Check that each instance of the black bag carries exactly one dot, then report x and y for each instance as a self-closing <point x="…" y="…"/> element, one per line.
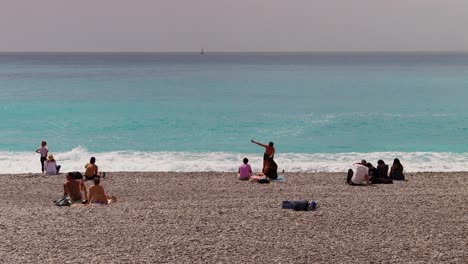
<point x="300" y="205"/>
<point x="64" y="201"/>
<point x="263" y="181"/>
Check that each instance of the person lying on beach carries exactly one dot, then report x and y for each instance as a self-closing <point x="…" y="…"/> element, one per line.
<point x="269" y="151"/>
<point x="43" y="150"/>
<point x="396" y="172"/>
<point x="72" y="188"/>
<point x="245" y="171"/>
<point x="50" y="166"/>
<point x="358" y="175"/>
<point x="97" y="195"/>
<point x="91" y="169"/>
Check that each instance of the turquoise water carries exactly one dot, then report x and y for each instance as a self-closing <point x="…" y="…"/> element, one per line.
<point x="184" y="112"/>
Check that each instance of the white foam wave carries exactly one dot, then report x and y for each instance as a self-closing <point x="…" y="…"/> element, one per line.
<point x="75" y="159"/>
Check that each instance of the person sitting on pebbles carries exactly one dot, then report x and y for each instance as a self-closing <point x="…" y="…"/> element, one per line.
<point x="73" y="188"/>
<point x="50" y="166"/>
<point x="396" y="172"/>
<point x="245" y="171"/>
<point x="271" y="169"/>
<point x="97" y="195"/>
<point x="359" y="174"/>
<point x="91" y="169"/>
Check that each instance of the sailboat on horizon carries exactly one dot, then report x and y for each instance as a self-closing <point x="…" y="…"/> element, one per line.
<point x="202" y="51"/>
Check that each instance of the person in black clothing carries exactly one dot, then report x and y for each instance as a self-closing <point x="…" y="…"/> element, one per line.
<point x="396" y="172"/>
<point x="382" y="173"/>
<point x="373" y="172"/>
<point x="271" y="169"/>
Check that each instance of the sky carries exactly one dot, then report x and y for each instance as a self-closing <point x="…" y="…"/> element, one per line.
<point x="233" y="25"/>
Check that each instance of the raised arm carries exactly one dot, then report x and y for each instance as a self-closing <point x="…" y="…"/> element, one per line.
<point x="260" y="144"/>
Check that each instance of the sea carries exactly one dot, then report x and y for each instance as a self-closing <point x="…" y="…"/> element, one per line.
<point x="186" y="112"/>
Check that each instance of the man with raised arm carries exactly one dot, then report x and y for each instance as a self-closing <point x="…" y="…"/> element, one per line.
<point x="269" y="151"/>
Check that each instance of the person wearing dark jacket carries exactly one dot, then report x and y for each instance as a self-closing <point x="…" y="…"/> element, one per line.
<point x="396" y="172"/>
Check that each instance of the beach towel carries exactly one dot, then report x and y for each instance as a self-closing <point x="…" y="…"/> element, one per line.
<point x="281" y="178"/>
<point x="255" y="178"/>
<point x="259" y="179"/>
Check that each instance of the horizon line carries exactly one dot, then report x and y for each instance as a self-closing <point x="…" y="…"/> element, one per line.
<point x="220" y="51"/>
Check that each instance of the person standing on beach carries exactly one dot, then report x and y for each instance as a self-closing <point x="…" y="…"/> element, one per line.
<point x="43" y="150"/>
<point x="269" y="151"/>
<point x="91" y="169"/>
<point x="245" y="171"/>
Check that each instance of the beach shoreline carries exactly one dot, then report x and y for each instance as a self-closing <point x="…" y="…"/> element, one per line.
<point x="207" y="217"/>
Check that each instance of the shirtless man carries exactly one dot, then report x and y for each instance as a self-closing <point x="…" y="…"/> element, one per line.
<point x="97" y="193"/>
<point x="91" y="169"/>
<point x="269" y="151"/>
<point x="72" y="188"/>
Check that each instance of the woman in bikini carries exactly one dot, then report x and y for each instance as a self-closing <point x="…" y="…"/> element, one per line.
<point x="97" y="195"/>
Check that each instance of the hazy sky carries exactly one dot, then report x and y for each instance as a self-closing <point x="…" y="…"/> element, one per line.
<point x="234" y="25"/>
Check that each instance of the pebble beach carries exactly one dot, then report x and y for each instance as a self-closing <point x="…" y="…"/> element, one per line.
<point x="211" y="217"/>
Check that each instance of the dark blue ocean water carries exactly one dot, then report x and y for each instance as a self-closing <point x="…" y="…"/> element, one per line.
<point x="184" y="111"/>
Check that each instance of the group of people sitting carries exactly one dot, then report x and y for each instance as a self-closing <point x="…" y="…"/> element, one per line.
<point x="365" y="172"/>
<point x="270" y="171"/>
<point x="75" y="188"/>
<point x="270" y="168"/>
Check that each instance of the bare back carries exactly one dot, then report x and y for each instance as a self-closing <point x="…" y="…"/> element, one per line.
<point x="72" y="189"/>
<point x="91" y="170"/>
<point x="97" y="194"/>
